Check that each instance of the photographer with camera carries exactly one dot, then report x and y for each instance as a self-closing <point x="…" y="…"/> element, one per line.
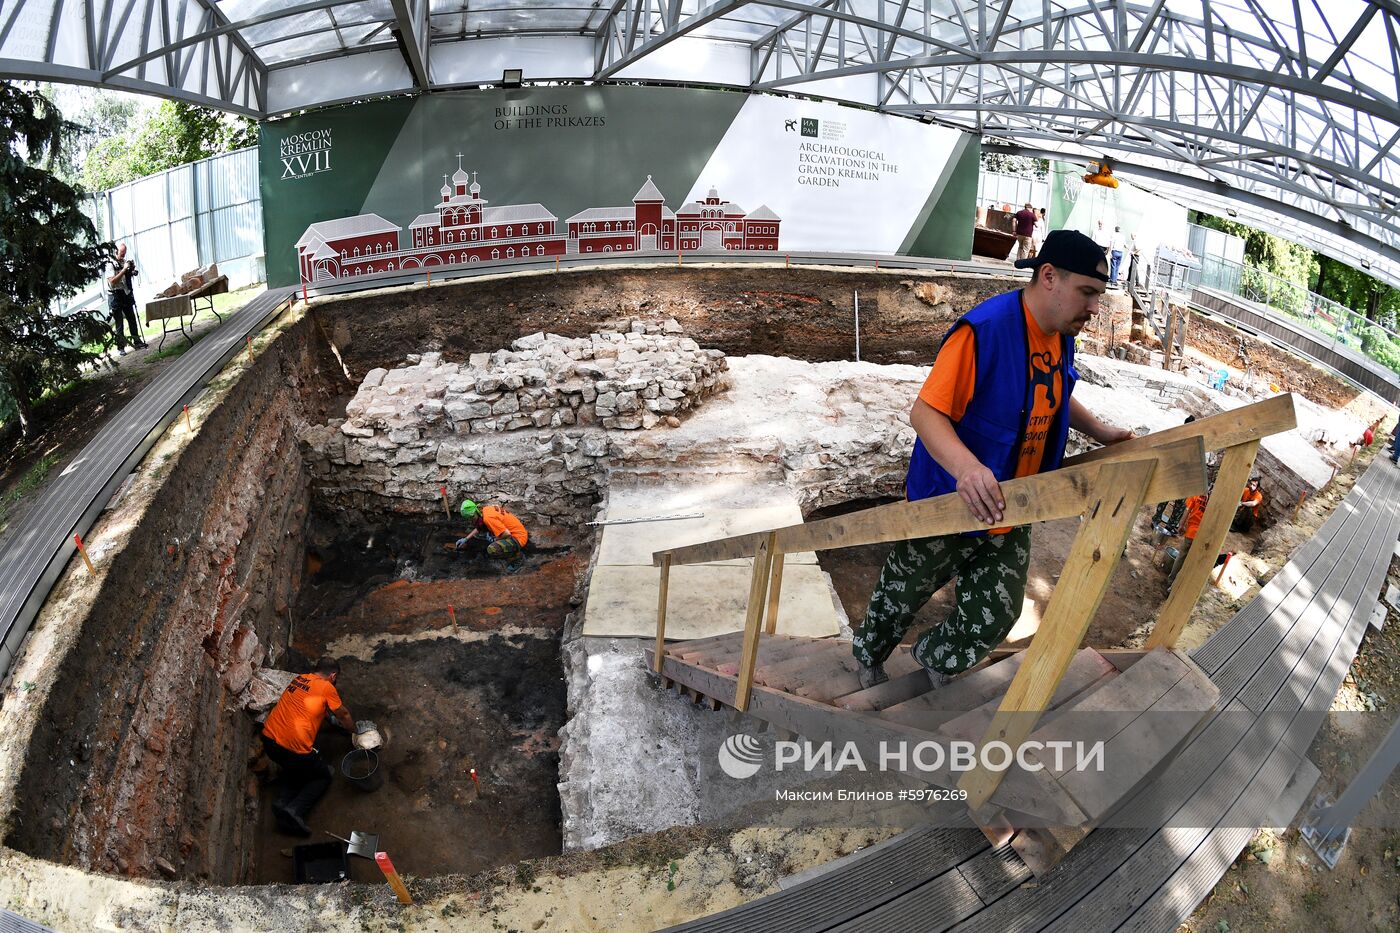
<point x="121" y="298"/>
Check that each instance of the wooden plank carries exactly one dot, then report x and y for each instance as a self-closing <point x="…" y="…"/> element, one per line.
<point x="1314" y="619"/>
<point x="1225" y="642"/>
<point x="829" y="898"/>
<point x="762" y="564"/>
<point x="775" y="590"/>
<point x="969" y="691"/>
<point x="881" y="696"/>
<point x="847" y="679"/>
<point x="661" y="611"/>
<point x="733" y="650"/>
<point x="1087" y="570"/>
<point x="818" y="722"/>
<point x="1173" y="901"/>
<point x="1224" y="502"/>
<point x="995" y="872"/>
<point x="1062" y="493"/>
<point x="933" y="906"/>
<point x="819" y="654"/>
<point x="1226" y="429"/>
<point x="1086" y="669"/>
<point x="770" y="652"/>
<point x="682" y="648"/>
<point x="1135" y="752"/>
<point x="1263" y="643"/>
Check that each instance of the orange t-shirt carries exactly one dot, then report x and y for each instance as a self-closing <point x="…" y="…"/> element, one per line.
<point x="1253" y="499"/>
<point x="295" y="720"/>
<point x="950" y="385"/>
<point x="499" y="522"/>
<point x="1195" y="510"/>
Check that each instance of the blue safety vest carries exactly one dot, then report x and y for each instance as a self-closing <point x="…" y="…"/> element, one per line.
<point x="995" y="420"/>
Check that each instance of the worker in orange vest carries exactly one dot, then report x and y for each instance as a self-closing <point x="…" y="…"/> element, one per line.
<point x="1190" y="524"/>
<point x="1250" y="502"/>
<point x="289" y="737"/>
<point x="502" y="534"/>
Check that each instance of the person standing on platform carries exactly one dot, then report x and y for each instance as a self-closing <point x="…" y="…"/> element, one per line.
<point x="1115" y="255"/>
<point x="121" y="298"/>
<point x="1041" y="228"/>
<point x="1025" y="232"/>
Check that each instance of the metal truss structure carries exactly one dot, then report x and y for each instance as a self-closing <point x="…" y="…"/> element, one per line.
<point x="1285" y="111"/>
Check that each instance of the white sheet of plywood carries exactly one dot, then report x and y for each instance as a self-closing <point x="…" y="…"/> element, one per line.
<point x="728" y="508"/>
<point x="703" y="600"/>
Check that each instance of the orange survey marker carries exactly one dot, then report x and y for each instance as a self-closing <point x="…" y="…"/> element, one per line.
<point x="452" y="614"/>
<point x="188" y="427"/>
<point x="382" y="860"/>
<point x="78" y="540"/>
<point x="476" y="782"/>
<point x="250" y="348"/>
<point x="446" y="506"/>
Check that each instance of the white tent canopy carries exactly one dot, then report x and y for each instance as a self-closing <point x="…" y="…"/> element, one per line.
<point x="1286" y="111"/>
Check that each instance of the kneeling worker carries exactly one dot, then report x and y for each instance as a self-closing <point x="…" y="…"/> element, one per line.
<point x="289" y="737"/>
<point x="502" y="533"/>
<point x="996" y="406"/>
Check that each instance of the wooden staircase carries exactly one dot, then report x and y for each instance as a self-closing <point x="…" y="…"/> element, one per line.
<point x="1135" y="708"/>
<point x="808" y="687"/>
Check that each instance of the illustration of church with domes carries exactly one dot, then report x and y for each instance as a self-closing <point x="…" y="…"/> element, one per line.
<point x="465" y="228"/>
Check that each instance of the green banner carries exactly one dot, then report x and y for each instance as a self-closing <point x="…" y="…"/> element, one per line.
<point x="456" y="177"/>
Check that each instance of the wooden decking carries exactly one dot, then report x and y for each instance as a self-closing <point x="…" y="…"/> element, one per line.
<point x="1277" y="665"/>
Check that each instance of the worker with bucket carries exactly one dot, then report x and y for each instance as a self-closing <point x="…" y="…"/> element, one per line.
<point x="289" y="737"/>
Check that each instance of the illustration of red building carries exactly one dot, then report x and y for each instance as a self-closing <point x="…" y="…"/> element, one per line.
<point x="464" y="228"/>
<point x="717" y="224"/>
<point x="711" y="224"/>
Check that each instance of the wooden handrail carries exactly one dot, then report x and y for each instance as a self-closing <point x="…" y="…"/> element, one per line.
<point x="1226" y="429"/>
<point x="1030" y="499"/>
<point x="1062" y="493"/>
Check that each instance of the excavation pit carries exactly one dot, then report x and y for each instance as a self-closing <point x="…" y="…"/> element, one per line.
<point x="478" y="688"/>
<point x="271" y="534"/>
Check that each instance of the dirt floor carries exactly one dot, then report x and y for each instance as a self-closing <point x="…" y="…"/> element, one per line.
<point x="799" y="313"/>
<point x="479" y="687"/>
<point x="1216" y="344"/>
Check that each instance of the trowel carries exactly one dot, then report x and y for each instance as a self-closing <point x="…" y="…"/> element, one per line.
<point x="362" y="844"/>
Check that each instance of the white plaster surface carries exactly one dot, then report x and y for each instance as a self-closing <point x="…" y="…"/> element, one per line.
<point x="703" y="600"/>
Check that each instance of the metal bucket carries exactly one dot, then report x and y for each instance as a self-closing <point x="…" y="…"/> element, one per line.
<point x="361" y="768"/>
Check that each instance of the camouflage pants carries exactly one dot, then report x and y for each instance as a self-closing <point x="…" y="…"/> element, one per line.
<point x="991" y="581"/>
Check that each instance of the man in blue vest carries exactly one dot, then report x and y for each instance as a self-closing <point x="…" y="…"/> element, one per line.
<point x="997" y="405"/>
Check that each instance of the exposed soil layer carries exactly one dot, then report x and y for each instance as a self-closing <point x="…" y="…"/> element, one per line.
<point x="800" y="313"/>
<point x="486" y="693"/>
<point x="1135" y="593"/>
<point x="1268" y="363"/>
<point x="137" y="764"/>
<point x="445" y="706"/>
<point x="398" y="579"/>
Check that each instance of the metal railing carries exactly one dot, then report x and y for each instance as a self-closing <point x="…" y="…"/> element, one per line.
<point x="1333" y="321"/>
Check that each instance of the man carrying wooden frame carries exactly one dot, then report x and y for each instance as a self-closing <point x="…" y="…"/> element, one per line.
<point x="996" y="406"/>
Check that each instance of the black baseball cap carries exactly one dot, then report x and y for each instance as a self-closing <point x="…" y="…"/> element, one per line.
<point x="1071" y="251"/>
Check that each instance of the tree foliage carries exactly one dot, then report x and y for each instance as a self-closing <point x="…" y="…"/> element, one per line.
<point x="48" y="251"/>
<point x="1358" y="291"/>
<point x="1290" y="261"/>
<point x="1020" y="166"/>
<point x="171" y="135"/>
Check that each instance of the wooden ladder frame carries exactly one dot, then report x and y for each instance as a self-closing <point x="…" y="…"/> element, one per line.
<point x="1105" y="487"/>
